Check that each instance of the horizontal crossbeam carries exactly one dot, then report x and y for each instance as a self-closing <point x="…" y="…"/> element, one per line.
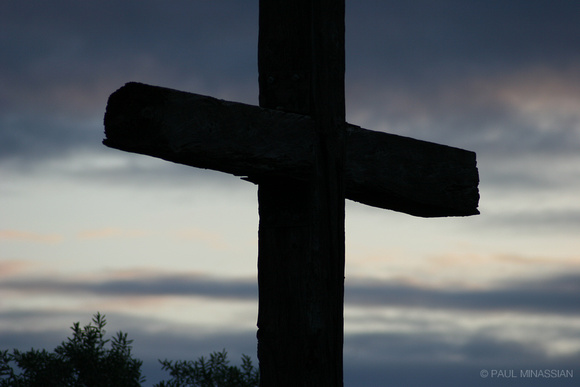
<point x="382" y="170"/>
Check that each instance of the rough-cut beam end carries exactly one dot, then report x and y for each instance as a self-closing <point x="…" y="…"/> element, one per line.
<point x="382" y="170"/>
<point x="412" y="176"/>
<point x="206" y="132"/>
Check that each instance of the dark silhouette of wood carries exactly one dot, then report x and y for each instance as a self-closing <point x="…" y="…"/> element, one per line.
<point x="301" y="234"/>
<point x="305" y="159"/>
<point x="382" y="170"/>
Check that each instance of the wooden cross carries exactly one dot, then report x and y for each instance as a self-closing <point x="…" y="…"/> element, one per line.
<point x="305" y="159"/>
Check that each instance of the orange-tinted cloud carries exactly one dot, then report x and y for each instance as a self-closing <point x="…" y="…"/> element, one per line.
<point x="111" y="232"/>
<point x="18" y="235"/>
<point x="13" y="267"/>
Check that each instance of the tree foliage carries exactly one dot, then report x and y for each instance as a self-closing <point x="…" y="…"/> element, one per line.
<point x="212" y="372"/>
<point x="84" y="360"/>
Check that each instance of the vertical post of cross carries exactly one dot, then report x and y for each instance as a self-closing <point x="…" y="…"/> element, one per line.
<point x="328" y="109"/>
<point x="301" y="234"/>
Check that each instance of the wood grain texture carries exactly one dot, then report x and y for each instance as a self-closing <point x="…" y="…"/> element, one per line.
<point x="301" y="233"/>
<point x="382" y="170"/>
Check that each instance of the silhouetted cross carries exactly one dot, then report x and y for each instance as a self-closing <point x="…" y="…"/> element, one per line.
<point x="305" y="159"/>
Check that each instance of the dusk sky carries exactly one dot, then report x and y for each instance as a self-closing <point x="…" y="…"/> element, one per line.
<point x="168" y="253"/>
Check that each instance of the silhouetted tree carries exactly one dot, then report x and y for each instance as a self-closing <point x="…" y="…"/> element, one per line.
<point x="82" y="360"/>
<point x="215" y="372"/>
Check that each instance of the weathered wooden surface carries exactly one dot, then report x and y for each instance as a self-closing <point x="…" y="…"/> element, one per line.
<point x="301" y="233"/>
<point x="382" y="170"/>
<point x="305" y="161"/>
<point x="328" y="111"/>
<point x="285" y="204"/>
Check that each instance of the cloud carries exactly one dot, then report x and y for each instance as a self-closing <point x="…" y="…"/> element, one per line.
<point x="13" y="267"/>
<point x="442" y="371"/>
<point x="61" y="66"/>
<point x="538" y="221"/>
<point x="112" y="232"/>
<point x="143" y="285"/>
<point x="27" y="140"/>
<point x="94" y="43"/>
<point x="28" y="236"/>
<point x="427" y="70"/>
<point x="71" y="61"/>
<point x="513" y="113"/>
<point x="212" y="239"/>
<point x="423" y="39"/>
<point x="557" y="295"/>
<point x="552" y="295"/>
